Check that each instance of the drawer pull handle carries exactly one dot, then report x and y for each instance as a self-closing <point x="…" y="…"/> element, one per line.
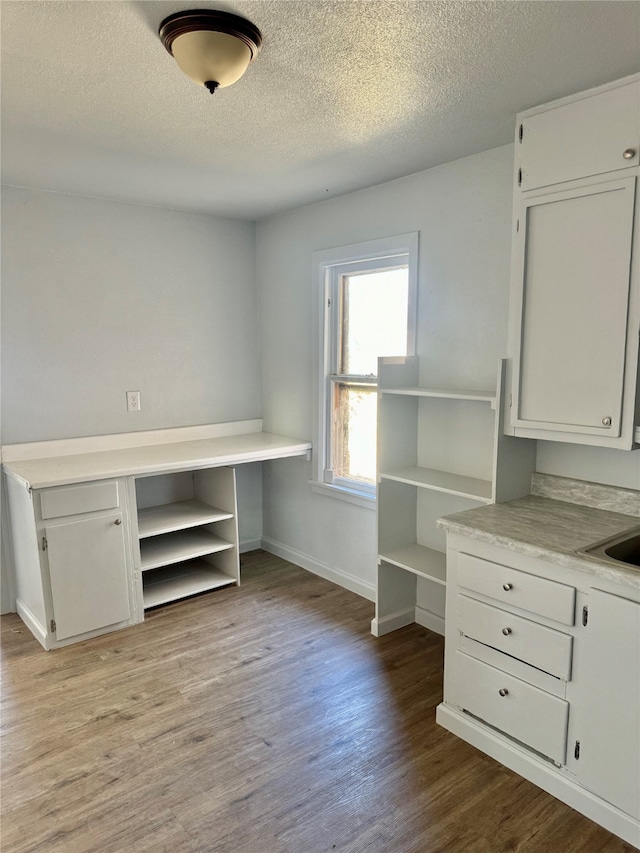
<point x="118" y="521"/>
<point x="629" y="154"/>
<point x="506" y="631"/>
<point x="507" y="586"/>
<point x="503" y="691"/>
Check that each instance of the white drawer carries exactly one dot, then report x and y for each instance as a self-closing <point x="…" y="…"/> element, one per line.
<point x="531" y="716"/>
<point x="535" y="644"/>
<point x="73" y="500"/>
<point x="538" y="595"/>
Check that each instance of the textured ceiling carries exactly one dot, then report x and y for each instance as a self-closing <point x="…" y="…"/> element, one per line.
<point x="343" y="95"/>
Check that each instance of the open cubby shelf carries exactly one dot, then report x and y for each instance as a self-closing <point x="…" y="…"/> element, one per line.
<point x="187" y="533"/>
<point x="177" y="516"/>
<point x="440" y="450"/>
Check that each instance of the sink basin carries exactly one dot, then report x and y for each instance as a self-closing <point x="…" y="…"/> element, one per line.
<point x="623" y="549"/>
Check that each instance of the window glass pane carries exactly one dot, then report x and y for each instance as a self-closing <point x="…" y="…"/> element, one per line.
<point x="374" y="319"/>
<point x="354" y="446"/>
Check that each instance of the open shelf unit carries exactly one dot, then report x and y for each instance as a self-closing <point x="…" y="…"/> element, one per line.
<point x="187" y="533"/>
<point x="440" y="451"/>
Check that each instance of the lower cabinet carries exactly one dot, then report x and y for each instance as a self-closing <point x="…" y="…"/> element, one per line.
<point x="608" y="717"/>
<point x="88" y="569"/>
<point x="92" y="557"/>
<point x="542" y="671"/>
<point x="73" y="559"/>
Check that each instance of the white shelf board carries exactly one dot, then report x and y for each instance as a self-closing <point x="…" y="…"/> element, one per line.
<point x="180" y="581"/>
<point x="177" y="516"/>
<point x="177" y="547"/>
<point x="442" y="481"/>
<point x="422" y="561"/>
<point x="446" y="393"/>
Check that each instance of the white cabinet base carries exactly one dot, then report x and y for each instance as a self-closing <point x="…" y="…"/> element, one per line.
<point x="542" y="773"/>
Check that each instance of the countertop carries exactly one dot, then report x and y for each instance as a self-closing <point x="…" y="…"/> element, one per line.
<point x="550" y="529"/>
<point x="154" y="459"/>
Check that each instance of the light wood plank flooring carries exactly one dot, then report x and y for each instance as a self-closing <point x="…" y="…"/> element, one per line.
<point x="264" y="719"/>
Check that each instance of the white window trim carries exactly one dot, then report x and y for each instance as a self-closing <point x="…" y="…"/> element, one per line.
<point x="324" y="268"/>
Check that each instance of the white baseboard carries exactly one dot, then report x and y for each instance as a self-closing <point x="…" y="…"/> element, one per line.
<point x="337" y="576"/>
<point x="387" y="624"/>
<point x="538" y="771"/>
<point x="250" y="545"/>
<point x="427" y="619"/>
<point x="32" y="623"/>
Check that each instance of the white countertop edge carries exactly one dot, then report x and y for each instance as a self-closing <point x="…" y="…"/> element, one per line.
<point x="589" y="565"/>
<point x="104" y="465"/>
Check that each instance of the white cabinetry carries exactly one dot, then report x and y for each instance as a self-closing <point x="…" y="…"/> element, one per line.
<point x="187" y="532"/>
<point x="575" y="305"/>
<point x="73" y="551"/>
<point x="439" y="451"/>
<point x="542" y="672"/>
<point x="608" y="724"/>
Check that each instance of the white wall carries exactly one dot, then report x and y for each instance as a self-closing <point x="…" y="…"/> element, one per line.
<point x="463" y="213"/>
<point x="101" y="297"/>
<point x="597" y="464"/>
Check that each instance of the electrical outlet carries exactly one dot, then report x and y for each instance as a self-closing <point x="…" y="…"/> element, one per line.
<point x="133" y="401"/>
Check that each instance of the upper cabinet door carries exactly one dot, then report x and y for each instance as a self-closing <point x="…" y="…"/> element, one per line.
<point x="574" y="316"/>
<point x="589" y="136"/>
<point x="574" y="252"/>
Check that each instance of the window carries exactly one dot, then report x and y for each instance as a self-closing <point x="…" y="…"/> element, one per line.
<point x="367" y="296"/>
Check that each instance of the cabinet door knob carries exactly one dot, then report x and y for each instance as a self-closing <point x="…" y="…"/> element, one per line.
<point x="507" y="586"/>
<point x="118" y="521"/>
<point x="629" y="154"/>
<point x="506" y="631"/>
<point x="606" y="421"/>
<point x="503" y="691"/>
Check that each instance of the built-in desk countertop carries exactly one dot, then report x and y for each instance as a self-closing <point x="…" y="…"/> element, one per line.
<point x="155" y="459"/>
<point x="92" y="551"/>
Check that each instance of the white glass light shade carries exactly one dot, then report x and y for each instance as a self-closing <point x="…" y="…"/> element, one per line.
<point x="211" y="56"/>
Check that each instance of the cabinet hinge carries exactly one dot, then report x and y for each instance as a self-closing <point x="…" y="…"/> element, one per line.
<point x="519" y="177"/>
<point x="510" y="400"/>
<point x="576" y="750"/>
<point x="53" y="626"/>
<point x="44" y="543"/>
<point x="329" y="302"/>
<point x="521" y="132"/>
<point x="517" y="226"/>
<point x="585" y="615"/>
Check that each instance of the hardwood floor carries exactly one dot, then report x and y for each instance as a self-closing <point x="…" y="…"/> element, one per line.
<point x="264" y="719"/>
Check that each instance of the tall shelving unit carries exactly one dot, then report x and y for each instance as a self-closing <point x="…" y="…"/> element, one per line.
<point x="187" y="533"/>
<point x="440" y="450"/>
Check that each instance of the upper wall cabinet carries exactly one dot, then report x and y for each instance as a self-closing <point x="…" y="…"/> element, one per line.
<point x="575" y="300"/>
<point x="586" y="135"/>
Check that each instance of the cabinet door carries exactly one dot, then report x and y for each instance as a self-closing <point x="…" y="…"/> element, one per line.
<point x="574" y="254"/>
<point x="586" y="137"/>
<point x="88" y="571"/>
<point x="609" y="733"/>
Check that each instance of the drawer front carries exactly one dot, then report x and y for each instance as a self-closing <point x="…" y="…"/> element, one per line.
<point x="538" y="595"/>
<point x="520" y="710"/>
<point x="73" y="500"/>
<point x="535" y="644"/>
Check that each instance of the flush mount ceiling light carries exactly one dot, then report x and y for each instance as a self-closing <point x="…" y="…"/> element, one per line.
<point x="213" y="48"/>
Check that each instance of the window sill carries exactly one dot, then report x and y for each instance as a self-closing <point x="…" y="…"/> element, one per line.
<point x="343" y="494"/>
